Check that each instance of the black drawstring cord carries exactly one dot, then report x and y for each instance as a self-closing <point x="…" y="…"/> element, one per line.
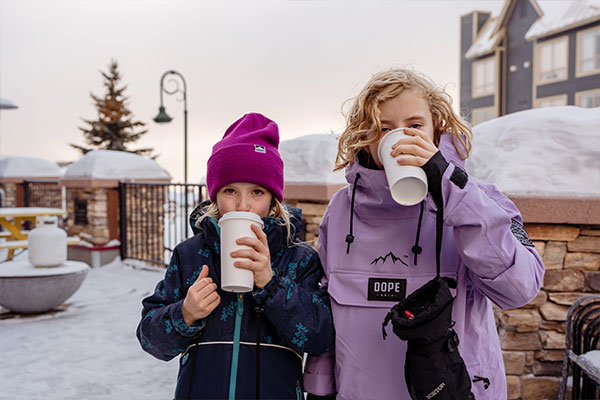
<point x="439" y="225"/>
<point x="416" y="249"/>
<point x="349" y="237"/>
<point x="387" y="319"/>
<point x="195" y="349"/>
<point x="259" y="310"/>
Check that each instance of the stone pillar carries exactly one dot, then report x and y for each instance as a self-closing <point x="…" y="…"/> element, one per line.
<point x="313" y="200"/>
<point x="93" y="214"/>
<point x="10" y="188"/>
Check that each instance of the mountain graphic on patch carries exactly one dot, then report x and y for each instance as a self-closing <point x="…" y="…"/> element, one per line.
<point x="389" y="255"/>
<point x="259" y="149"/>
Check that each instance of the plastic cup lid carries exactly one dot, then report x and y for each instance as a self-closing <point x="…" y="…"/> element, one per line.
<point x="242" y="215"/>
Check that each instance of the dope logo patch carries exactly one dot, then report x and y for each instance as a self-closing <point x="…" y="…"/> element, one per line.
<point x="386" y="289"/>
<point x="259" y="149"/>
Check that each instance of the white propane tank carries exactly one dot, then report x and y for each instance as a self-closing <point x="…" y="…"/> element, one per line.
<point x="47" y="243"/>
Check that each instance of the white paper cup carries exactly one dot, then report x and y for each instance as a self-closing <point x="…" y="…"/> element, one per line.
<point x="408" y="184"/>
<point x="235" y="225"/>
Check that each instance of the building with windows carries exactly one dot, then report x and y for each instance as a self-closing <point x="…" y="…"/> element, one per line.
<point x="524" y="58"/>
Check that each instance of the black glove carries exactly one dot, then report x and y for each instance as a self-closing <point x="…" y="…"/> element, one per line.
<point x="433" y="368"/>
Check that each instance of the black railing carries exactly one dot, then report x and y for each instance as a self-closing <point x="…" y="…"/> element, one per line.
<point x="154" y="218"/>
<point x="41" y="193"/>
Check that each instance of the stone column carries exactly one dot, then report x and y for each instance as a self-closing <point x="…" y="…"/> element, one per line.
<point x="313" y="200"/>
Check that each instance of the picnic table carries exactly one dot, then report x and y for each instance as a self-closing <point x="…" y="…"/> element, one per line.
<point x="12" y="219"/>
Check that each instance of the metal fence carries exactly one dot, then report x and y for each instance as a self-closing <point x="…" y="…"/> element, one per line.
<point x="154" y="218"/>
<point x="40" y="193"/>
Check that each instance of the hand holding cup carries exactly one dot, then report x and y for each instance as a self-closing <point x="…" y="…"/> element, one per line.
<point x="256" y="257"/>
<point x="415" y="148"/>
<point x="402" y="151"/>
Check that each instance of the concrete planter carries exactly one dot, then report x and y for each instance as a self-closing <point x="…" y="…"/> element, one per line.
<point x="26" y="289"/>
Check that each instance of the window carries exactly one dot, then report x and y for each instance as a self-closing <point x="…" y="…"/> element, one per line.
<point x="552" y="59"/>
<point x="484" y="77"/>
<point x="588" y="52"/>
<point x="482" y="114"/>
<point x="588" y="99"/>
<point x="551" y="101"/>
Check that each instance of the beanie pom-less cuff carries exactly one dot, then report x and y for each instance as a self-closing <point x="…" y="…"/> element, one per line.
<point x="245" y="162"/>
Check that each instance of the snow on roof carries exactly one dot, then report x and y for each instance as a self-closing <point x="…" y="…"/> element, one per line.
<point x="111" y="164"/>
<point x="28" y="167"/>
<point x="580" y="12"/>
<point x="552" y="151"/>
<point x="486" y="39"/>
<point x="309" y="160"/>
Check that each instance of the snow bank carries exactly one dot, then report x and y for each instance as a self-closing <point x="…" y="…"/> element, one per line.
<point x="309" y="160"/>
<point x="110" y="164"/>
<point x="89" y="349"/>
<point x="551" y="151"/>
<point x="28" y="167"/>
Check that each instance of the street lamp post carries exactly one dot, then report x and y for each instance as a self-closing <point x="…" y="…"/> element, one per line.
<point x="162" y="116"/>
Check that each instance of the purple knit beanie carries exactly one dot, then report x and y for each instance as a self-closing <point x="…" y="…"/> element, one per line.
<point x="247" y="153"/>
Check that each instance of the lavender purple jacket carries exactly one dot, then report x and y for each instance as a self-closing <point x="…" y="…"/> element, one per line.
<point x="484" y="248"/>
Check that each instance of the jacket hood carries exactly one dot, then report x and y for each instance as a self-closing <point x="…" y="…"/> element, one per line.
<point x="448" y="150"/>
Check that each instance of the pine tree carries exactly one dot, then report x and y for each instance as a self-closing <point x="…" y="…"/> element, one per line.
<point x="114" y="129"/>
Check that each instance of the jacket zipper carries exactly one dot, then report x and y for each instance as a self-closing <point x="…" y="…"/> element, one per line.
<point x="236" y="345"/>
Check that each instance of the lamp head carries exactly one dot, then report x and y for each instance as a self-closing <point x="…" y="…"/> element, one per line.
<point x="162" y="117"/>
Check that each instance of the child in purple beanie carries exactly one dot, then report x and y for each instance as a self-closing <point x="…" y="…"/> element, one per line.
<point x="241" y="345"/>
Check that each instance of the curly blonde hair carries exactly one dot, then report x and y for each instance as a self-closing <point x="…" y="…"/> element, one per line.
<point x="364" y="117"/>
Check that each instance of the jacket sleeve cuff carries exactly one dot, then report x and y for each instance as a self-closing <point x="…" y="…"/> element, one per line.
<point x="434" y="169"/>
<point x="319" y="378"/>
<point x="181" y="326"/>
<point x="262" y="295"/>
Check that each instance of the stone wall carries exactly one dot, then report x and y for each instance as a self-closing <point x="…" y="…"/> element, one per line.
<point x="10" y="194"/>
<point x="96" y="229"/>
<point x="312" y="213"/>
<point x="533" y="336"/>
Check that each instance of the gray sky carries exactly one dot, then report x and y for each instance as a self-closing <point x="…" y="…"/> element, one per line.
<point x="294" y="61"/>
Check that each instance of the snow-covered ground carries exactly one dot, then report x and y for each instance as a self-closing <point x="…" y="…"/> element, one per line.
<point x="88" y="350"/>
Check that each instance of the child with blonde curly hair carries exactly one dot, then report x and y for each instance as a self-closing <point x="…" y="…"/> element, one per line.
<point x="376" y="252"/>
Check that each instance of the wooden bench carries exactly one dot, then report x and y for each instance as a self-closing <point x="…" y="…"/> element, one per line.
<point x="7" y="234"/>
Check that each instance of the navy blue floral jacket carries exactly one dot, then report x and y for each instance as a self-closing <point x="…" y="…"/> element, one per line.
<point x="219" y="353"/>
